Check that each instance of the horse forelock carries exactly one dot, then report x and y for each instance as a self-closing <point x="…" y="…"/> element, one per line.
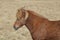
<point x="24" y="13"/>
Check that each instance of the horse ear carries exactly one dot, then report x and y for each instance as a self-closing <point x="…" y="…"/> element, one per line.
<point x="18" y="10"/>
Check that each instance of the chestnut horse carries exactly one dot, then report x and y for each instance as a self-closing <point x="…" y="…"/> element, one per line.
<point x="40" y="28"/>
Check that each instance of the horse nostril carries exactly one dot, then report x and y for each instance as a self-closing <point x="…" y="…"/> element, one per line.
<point x="16" y="28"/>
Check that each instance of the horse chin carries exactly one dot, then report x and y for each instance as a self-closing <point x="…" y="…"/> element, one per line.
<point x="16" y="28"/>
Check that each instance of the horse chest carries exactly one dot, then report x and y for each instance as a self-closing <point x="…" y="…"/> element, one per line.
<point x="40" y="33"/>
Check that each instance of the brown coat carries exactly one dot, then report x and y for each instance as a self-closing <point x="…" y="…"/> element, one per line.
<point x="42" y="28"/>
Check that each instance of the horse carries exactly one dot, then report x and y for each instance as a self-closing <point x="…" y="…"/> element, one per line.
<point x="40" y="27"/>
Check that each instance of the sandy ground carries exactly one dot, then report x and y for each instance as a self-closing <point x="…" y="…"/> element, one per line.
<point x="8" y="9"/>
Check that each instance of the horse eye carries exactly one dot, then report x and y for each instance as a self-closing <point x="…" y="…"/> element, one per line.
<point x="17" y="19"/>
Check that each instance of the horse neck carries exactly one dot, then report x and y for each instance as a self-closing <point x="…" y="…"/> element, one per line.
<point x="32" y="19"/>
<point x="29" y="23"/>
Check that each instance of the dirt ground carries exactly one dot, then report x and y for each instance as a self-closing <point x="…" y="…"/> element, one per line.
<point x="8" y="9"/>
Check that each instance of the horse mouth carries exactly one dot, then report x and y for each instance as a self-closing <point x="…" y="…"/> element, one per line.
<point x="16" y="28"/>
